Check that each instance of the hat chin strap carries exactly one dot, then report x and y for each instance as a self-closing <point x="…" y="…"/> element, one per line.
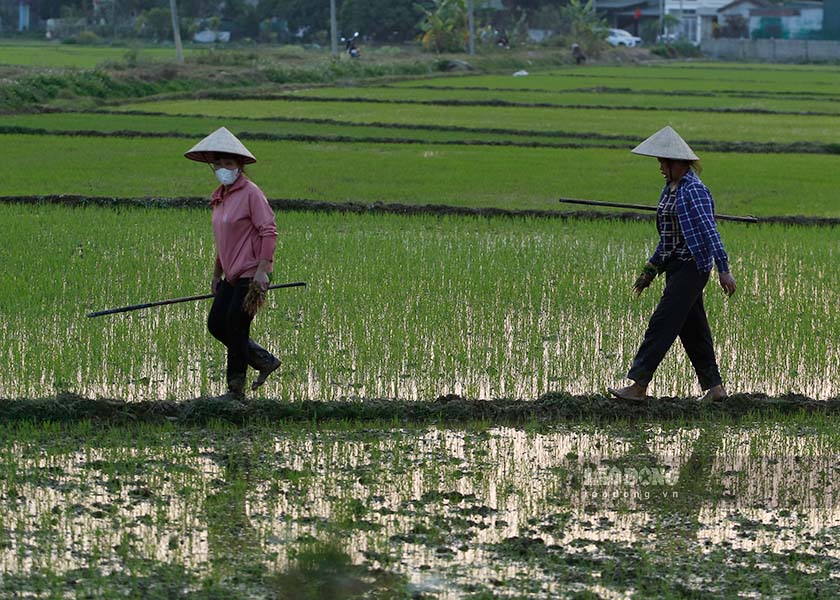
<point x="670" y="169"/>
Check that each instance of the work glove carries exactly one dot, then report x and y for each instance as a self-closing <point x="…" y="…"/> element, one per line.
<point x="645" y="278"/>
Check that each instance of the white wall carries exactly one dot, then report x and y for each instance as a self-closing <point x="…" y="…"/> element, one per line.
<point x="772" y="50"/>
<point x="809" y="19"/>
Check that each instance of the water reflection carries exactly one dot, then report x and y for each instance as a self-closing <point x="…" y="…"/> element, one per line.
<point x="434" y="504"/>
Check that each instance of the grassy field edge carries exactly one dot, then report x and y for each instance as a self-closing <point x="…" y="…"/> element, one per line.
<point x="308" y="205"/>
<point x="555" y="406"/>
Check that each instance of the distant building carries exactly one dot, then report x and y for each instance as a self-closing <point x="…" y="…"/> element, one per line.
<point x="634" y="16"/>
<point x="21" y="15"/>
<point x="698" y="19"/>
<point x="795" y="20"/>
<point x="734" y="18"/>
<point x="703" y="19"/>
<point x="742" y="8"/>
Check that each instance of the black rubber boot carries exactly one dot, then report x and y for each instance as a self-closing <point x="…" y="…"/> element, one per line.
<point x="263" y="361"/>
<point x="236" y="388"/>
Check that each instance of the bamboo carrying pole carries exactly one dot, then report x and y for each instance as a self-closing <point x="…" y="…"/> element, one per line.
<point x="650" y="208"/>
<point x="111" y="311"/>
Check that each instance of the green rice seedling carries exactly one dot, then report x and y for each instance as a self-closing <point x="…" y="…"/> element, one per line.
<point x="709" y="77"/>
<point x="292" y="129"/>
<point x="631" y="121"/>
<point x="612" y="97"/>
<point x="31" y="54"/>
<point x="408" y="307"/>
<point x="416" y="307"/>
<point x="518" y="178"/>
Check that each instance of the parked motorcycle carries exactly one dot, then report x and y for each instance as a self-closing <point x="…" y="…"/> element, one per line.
<point x="350" y="46"/>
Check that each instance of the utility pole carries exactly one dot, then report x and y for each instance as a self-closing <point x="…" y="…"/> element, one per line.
<point x="471" y="22"/>
<point x="333" y="29"/>
<point x="176" y="30"/>
<point x="661" y="18"/>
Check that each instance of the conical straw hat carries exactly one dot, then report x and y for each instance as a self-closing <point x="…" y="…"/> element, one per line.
<point x="666" y="143"/>
<point x="220" y="140"/>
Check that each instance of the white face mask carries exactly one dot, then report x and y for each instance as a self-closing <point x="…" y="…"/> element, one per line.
<point x="227" y="176"/>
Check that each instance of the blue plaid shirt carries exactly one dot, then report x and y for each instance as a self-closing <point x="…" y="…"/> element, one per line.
<point x="671" y="239"/>
<point x="695" y="212"/>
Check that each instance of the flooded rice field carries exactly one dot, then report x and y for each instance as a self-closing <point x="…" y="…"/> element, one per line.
<point x="439" y="427"/>
<point x="481" y="511"/>
<point x="407" y="307"/>
<point x="357" y="471"/>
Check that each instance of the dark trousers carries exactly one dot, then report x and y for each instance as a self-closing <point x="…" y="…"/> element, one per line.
<point x="680" y="313"/>
<point x="229" y="323"/>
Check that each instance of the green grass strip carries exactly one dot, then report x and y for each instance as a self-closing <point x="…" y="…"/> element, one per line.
<point x="300" y="204"/>
<point x="471" y="176"/>
<point x="740" y="147"/>
<point x="820" y="97"/>
<point x="636" y="124"/>
<point x="495" y="102"/>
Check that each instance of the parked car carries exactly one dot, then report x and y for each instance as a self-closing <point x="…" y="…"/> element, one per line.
<point x="619" y="37"/>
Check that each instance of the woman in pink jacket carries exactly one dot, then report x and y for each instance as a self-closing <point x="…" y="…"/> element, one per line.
<point x="245" y="234"/>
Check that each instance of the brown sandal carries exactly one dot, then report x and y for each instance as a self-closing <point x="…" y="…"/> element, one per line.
<point x="622" y="395"/>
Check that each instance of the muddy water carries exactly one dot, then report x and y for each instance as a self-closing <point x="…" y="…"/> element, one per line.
<point x="510" y="511"/>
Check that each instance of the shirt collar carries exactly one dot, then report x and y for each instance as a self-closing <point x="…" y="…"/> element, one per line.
<point x="219" y="194"/>
<point x="689" y="177"/>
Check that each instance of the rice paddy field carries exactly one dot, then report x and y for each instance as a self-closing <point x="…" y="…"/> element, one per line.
<point x="57" y="55"/>
<point x="459" y="315"/>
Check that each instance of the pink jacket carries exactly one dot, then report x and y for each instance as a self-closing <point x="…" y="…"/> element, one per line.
<point x="243" y="225"/>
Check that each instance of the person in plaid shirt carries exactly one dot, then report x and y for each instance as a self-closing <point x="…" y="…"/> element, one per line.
<point x="689" y="244"/>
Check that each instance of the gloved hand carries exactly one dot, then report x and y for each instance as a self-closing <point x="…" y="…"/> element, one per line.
<point x="645" y="278"/>
<point x="262" y="280"/>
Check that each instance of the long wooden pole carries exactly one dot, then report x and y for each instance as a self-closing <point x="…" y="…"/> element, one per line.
<point x="111" y="311"/>
<point x="649" y="208"/>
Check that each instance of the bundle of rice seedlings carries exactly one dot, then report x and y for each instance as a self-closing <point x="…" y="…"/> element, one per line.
<point x="254" y="299"/>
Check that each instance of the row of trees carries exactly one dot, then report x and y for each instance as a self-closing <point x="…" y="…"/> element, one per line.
<point x="445" y="24"/>
<point x="441" y="24"/>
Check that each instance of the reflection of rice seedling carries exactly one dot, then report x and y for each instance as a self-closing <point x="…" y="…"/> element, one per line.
<point x="324" y="571"/>
<point x="314" y="511"/>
